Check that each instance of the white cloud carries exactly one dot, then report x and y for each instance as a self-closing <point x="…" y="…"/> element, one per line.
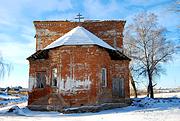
<point x="18" y="46"/>
<point x="62" y="16"/>
<point x="16" y="53"/>
<point x="5" y="18"/>
<point x="166" y="17"/>
<point x="14" y="12"/>
<point x="43" y="6"/>
<point x="147" y="3"/>
<point x="96" y="9"/>
<point x="4" y="38"/>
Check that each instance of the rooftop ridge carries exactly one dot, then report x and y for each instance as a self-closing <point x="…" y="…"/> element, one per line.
<point x="78" y="36"/>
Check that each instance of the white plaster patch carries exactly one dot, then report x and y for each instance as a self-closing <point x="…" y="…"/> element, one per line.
<point x="73" y="85"/>
<point x="32" y="82"/>
<point x="46" y="32"/>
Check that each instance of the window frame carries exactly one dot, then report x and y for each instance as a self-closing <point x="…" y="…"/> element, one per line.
<point x="40" y="83"/>
<point x="104" y="81"/>
<point x="52" y="76"/>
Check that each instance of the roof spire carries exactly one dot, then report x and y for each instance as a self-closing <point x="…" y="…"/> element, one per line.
<point x="79" y="17"/>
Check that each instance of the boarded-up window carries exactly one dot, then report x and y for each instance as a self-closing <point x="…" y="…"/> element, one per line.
<point x="118" y="87"/>
<point x="40" y="79"/>
<point x="54" y="77"/>
<point x="103" y="77"/>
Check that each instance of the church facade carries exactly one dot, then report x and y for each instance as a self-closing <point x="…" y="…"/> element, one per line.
<point x="77" y="64"/>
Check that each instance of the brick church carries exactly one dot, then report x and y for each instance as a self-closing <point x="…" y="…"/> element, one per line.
<point x="78" y="64"/>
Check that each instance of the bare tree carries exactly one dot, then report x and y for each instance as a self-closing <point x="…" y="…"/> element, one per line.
<point x="148" y="47"/>
<point x="4" y="67"/>
<point x="127" y="51"/>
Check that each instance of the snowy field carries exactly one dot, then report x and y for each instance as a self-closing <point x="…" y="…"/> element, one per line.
<point x="144" y="109"/>
<point x="8" y="100"/>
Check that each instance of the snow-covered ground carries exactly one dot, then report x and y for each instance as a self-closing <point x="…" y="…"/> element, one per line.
<point x="6" y="96"/>
<point x="9" y="100"/>
<point x="144" y="109"/>
<point x="168" y="95"/>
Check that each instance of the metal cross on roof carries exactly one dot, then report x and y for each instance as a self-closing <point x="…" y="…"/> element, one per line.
<point x="79" y="17"/>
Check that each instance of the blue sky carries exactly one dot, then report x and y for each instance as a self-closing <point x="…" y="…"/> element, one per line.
<point x="17" y="30"/>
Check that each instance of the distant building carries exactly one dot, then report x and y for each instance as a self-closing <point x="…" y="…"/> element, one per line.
<point x="78" y="63"/>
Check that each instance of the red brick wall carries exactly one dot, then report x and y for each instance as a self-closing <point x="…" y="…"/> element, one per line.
<point x="120" y="69"/>
<point x="49" y="31"/>
<point x="86" y="61"/>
